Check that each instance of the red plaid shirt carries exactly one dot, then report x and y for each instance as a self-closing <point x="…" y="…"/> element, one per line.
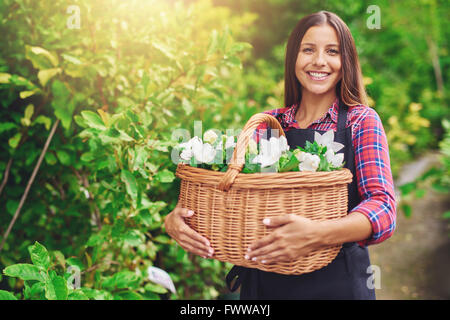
<point x="373" y="171"/>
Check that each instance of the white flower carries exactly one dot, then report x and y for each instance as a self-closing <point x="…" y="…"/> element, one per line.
<point x="283" y="144"/>
<point x="334" y="159"/>
<point x="327" y="139"/>
<point x="271" y="151"/>
<point x="210" y="137"/>
<point x="310" y="162"/>
<point x="187" y="154"/>
<point x="300" y="155"/>
<point x="203" y="153"/>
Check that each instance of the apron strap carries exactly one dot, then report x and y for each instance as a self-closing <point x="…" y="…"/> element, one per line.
<point x="244" y="275"/>
<point x="342" y="116"/>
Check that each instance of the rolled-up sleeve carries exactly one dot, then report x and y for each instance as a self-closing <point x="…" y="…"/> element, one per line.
<point x="374" y="177"/>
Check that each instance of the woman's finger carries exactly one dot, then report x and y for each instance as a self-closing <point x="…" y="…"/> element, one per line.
<point x="263" y="242"/>
<point x="196" y="236"/>
<point x="188" y="248"/>
<point x="270" y="247"/>
<point x="193" y="243"/>
<point x="186" y="236"/>
<point x="273" y="256"/>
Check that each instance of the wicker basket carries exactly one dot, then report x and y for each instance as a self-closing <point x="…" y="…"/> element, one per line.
<point x="230" y="206"/>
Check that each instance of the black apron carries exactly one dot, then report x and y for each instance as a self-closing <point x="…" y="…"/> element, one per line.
<point x="346" y="277"/>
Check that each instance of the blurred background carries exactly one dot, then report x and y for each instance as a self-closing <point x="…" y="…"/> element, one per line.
<point x="104" y="84"/>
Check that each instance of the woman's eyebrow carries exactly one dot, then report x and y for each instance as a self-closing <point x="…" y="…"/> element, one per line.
<point x="328" y="45"/>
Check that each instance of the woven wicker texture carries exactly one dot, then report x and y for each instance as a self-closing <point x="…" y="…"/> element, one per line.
<point x="230" y="206"/>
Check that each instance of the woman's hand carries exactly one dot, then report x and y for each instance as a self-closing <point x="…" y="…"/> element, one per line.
<point x="293" y="237"/>
<point x="187" y="238"/>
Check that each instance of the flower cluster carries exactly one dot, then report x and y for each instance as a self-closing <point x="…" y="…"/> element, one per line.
<point x="273" y="155"/>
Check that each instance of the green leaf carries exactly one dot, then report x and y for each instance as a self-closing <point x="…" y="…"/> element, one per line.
<point x="93" y="120"/>
<point x="33" y="53"/>
<point x="165" y="176"/>
<point x="446" y="215"/>
<point x="75" y="262"/>
<point x="63" y="157"/>
<point x="24" y="271"/>
<point x="4" y="77"/>
<point x="46" y="121"/>
<point x="133" y="237"/>
<point x="15" y="79"/>
<point x="11" y="206"/>
<point x="163" y="49"/>
<point x="132" y="116"/>
<point x="155" y="288"/>
<point x="94" y="240"/>
<point x="50" y="158"/>
<point x="45" y="75"/>
<point x="80" y="121"/>
<point x="130" y="295"/>
<point x="5" y="295"/>
<point x="124" y="136"/>
<point x="6" y="126"/>
<point x="187" y="106"/>
<point x="97" y="294"/>
<point x="39" y="255"/>
<point x="59" y="257"/>
<point x="122" y="280"/>
<point x="87" y="156"/>
<point x="77" y="295"/>
<point x="56" y="288"/>
<point x="62" y="103"/>
<point x="407" y="188"/>
<point x="212" y="47"/>
<point x="14" y="141"/>
<point x="71" y="59"/>
<point x="290" y="165"/>
<point x="407" y="210"/>
<point x="29" y="93"/>
<point x="440" y="188"/>
<point x="130" y="182"/>
<point x="234" y="62"/>
<point x="37" y="290"/>
<point x="162" y="239"/>
<point x="419" y="193"/>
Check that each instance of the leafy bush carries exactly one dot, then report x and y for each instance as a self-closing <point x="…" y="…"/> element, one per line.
<point x="129" y="76"/>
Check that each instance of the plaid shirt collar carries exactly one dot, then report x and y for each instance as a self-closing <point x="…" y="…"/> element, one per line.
<point x="288" y="117"/>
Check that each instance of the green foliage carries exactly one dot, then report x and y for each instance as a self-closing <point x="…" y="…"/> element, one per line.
<point x="131" y="74"/>
<point x="438" y="177"/>
<point x="40" y="278"/>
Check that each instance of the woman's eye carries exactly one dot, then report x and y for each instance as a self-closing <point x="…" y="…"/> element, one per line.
<point x="330" y="51"/>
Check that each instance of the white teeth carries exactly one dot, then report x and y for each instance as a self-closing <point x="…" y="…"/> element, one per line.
<point x="318" y="75"/>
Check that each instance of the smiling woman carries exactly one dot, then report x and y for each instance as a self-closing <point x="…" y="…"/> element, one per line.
<point x="324" y="91"/>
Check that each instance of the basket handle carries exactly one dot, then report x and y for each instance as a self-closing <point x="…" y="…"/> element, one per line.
<point x="238" y="159"/>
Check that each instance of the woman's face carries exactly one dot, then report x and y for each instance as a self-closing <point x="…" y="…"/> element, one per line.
<point x="318" y="65"/>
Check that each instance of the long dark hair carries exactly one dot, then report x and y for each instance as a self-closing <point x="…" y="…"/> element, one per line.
<point x="350" y="89"/>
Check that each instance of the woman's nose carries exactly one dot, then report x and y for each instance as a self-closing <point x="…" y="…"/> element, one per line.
<point x="319" y="59"/>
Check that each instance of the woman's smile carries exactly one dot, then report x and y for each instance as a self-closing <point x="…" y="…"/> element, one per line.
<point x="318" y="76"/>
